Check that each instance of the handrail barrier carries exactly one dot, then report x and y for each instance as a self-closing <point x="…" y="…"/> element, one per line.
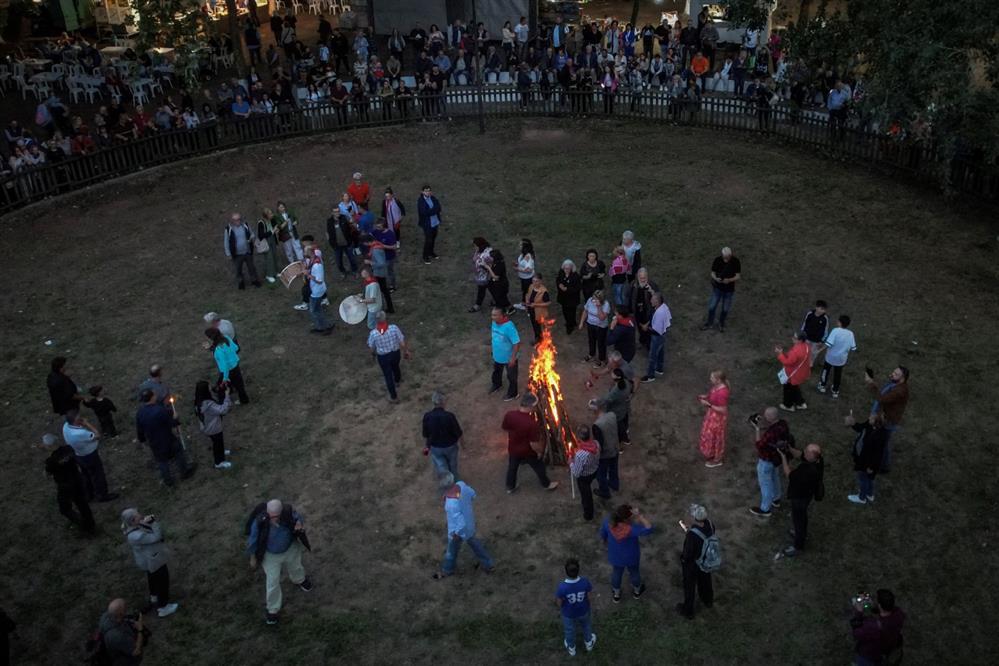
<point x="911" y="158"/>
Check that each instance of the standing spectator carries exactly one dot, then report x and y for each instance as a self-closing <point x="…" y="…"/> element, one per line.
<point x="839" y="343"/>
<point x="596" y="317"/>
<point x="890" y="400"/>
<point x="525" y="266"/>
<point x="619" y="275"/>
<point x="225" y="351"/>
<point x="442" y="435"/>
<point x="154" y="382"/>
<point x="238" y="247"/>
<point x="7" y="627"/>
<point x="428" y="208"/>
<point x="359" y="190"/>
<point x="804" y="484"/>
<point x="838" y="104"/>
<point x="276" y="541"/>
<point x="640" y="300"/>
<point x="618" y="400"/>
<point x="725" y="272"/>
<point x="621" y="333"/>
<point x="124" y="638"/>
<point x="505" y="347"/>
<point x="522" y="32"/>
<point x="70" y="489"/>
<point x="868" y="451"/>
<point x="371" y="297"/>
<point x="482" y="258"/>
<point x="144" y="535"/>
<point x="691" y="562"/>
<point x="815" y="326"/>
<point x="394" y="212"/>
<point x="498" y="284"/>
<point x="569" y="288"/>
<point x="878" y="635"/>
<point x="104" y="409"/>
<point x="66" y="396"/>
<point x="286" y="228"/>
<point x="592" y="274"/>
<point x="715" y="423"/>
<point x="584" y="459"/>
<point x="316" y="279"/>
<point x="658" y="331"/>
<point x="377" y="259"/>
<point x="155" y="424"/>
<point x="794" y="372"/>
<point x="210" y="412"/>
<point x="572" y="597"/>
<point x="522" y="428"/>
<point x="458" y="497"/>
<point x="773" y="435"/>
<point x="84" y="439"/>
<point x="604" y="430"/>
<point x="388" y="346"/>
<point x="388" y="243"/>
<point x="537" y="302"/>
<point x="215" y="320"/>
<point x="620" y="535"/>
<point x="342" y="236"/>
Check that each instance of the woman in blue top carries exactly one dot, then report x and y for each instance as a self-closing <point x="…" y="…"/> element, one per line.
<point x="226" y="358"/>
<point x="620" y="536"/>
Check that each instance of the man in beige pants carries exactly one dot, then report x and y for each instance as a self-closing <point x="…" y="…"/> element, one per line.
<point x="277" y="539"/>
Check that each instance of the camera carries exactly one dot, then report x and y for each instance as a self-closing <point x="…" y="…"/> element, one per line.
<point x="862" y="600"/>
<point x="754" y="419"/>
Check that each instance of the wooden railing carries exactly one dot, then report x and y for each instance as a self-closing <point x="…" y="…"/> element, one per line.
<point x="910" y="158"/>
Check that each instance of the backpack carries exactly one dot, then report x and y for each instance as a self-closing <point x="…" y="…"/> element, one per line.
<point x="710" y="559"/>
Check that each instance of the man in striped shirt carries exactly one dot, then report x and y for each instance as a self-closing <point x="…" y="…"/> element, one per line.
<point x="388" y="345"/>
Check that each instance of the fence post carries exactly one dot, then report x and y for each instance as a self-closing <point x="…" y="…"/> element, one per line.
<point x="482" y="111"/>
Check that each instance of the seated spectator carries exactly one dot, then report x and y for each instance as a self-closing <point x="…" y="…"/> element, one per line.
<point x="14" y="133"/>
<point x="124" y="129"/>
<point x="103" y="139"/>
<point x="240" y="107"/>
<point x="163" y="119"/>
<point x="143" y="123"/>
<point x="191" y="119"/>
<point x="82" y="142"/>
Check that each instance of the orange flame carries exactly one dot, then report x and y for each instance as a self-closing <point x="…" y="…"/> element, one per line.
<point x="545" y="382"/>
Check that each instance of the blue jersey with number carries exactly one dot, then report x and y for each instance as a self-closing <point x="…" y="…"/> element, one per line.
<point x="575" y="596"/>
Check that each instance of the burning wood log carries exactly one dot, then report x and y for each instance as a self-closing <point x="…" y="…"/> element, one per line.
<point x="545" y="383"/>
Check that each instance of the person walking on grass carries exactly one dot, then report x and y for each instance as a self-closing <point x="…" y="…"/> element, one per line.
<point x="144" y="535"/>
<point x="63" y="391"/>
<point x="428" y="209"/>
<point x="868" y="451"/>
<point x="316" y="279"/>
<point x="620" y="533"/>
<point x="84" y="439"/>
<point x="726" y="270"/>
<point x="715" y="423"/>
<point x="522" y="429"/>
<point x="371" y="296"/>
<point x="794" y="372"/>
<point x="276" y="541"/>
<point x="596" y="318"/>
<point x="70" y="490"/>
<point x="838" y="345"/>
<point x="104" y="409"/>
<point x="505" y="347"/>
<point x="696" y="571"/>
<point x="388" y="346"/>
<point x="572" y="596"/>
<point x="584" y="460"/>
<point x="210" y="412"/>
<point x="658" y="332"/>
<point x="804" y="483"/>
<point x="155" y="425"/>
<point x="442" y="436"/>
<point x="458" y="498"/>
<point x="238" y="246"/>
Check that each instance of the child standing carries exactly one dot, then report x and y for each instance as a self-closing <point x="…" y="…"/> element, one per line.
<point x="210" y="412"/>
<point x="619" y="275"/>
<point x="573" y="597"/>
<point x="104" y="409"/>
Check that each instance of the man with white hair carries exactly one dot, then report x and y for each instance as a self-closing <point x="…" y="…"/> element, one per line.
<point x="276" y="540"/>
<point x="725" y="272"/>
<point x="442" y="435"/>
<point x="640" y="298"/>
<point x="633" y="251"/>
<point x="215" y="320"/>
<point x="388" y="346"/>
<point x="693" y="561"/>
<point x="84" y="439"/>
<point x="123" y="637"/>
<point x="658" y="328"/>
<point x="460" y="515"/>
<point x="359" y="191"/>
<point x="154" y="382"/>
<point x="144" y="535"/>
<point x="772" y="435"/>
<point x="238" y="246"/>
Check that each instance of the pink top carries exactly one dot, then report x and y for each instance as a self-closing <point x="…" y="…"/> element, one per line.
<point x="718" y="396"/>
<point x="620" y="265"/>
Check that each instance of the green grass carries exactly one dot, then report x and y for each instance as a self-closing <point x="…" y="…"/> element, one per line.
<point x="118" y="277"/>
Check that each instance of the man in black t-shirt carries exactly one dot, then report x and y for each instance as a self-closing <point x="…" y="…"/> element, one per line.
<point x="63" y="391"/>
<point x="804" y="483"/>
<point x="70" y="488"/>
<point x="725" y="272"/>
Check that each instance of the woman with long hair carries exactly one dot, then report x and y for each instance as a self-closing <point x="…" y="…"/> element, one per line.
<point x="481" y="259"/>
<point x="210" y="412"/>
<point x="537" y="301"/>
<point x="715" y="423"/>
<point x="525" y="266"/>
<point x="596" y="318"/>
<point x="499" y="284"/>
<point x="226" y="356"/>
<point x="265" y="232"/>
<point x="608" y="84"/>
<point x="569" y="287"/>
<point x="286" y="227"/>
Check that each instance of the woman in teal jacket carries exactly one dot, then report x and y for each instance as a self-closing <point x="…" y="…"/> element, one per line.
<point x="227" y="359"/>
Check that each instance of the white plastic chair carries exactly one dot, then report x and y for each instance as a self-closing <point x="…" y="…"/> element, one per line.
<point x="115" y="93"/>
<point x="314" y="7"/>
<point x="296" y="6"/>
<point x="138" y="96"/>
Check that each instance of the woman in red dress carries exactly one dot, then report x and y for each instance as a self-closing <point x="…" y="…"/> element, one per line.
<point x="715" y="420"/>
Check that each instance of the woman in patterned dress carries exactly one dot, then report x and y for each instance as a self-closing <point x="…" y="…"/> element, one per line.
<point x="715" y="420"/>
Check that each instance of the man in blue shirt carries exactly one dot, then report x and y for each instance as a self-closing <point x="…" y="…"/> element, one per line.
<point x="573" y="597"/>
<point x="458" y="498"/>
<point x="429" y="210"/>
<point x="276" y="541"/>
<point x="839" y="98"/>
<point x="506" y="345"/>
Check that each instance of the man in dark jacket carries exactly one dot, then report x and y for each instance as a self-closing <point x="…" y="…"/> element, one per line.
<point x="124" y="638"/>
<point x="342" y="236"/>
<point x="275" y="542"/>
<point x="155" y="425"/>
<point x="429" y="210"/>
<point x="804" y="484"/>
<point x="640" y="299"/>
<point x="815" y="326"/>
<point x="868" y="451"/>
<point x="878" y="633"/>
<point x="61" y="466"/>
<point x="63" y="390"/>
<point x="442" y="436"/>
<point x="890" y="400"/>
<point x="693" y="577"/>
<point x="238" y="246"/>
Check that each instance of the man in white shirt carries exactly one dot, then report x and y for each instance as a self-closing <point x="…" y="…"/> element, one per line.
<point x="659" y="325"/>
<point x="83" y="438"/>
<point x="523" y="32"/>
<point x="839" y="343"/>
<point x="388" y="345"/>
<point x="372" y="297"/>
<point x="316" y="278"/>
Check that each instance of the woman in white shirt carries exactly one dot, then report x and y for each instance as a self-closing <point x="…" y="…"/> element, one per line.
<point x="347" y="207"/>
<point x="596" y="318"/>
<point x="191" y="119"/>
<point x="508" y="38"/>
<point x="525" y="266"/>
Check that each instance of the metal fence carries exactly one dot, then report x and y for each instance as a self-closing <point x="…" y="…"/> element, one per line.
<point x="782" y="122"/>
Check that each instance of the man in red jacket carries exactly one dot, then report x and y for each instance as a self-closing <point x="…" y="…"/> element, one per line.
<point x="358" y="190"/>
<point x="795" y="371"/>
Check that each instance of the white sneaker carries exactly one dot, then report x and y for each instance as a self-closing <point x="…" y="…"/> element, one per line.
<point x="301" y="307"/>
<point x="228" y="452"/>
<point x="870" y="499"/>
<point x="225" y="464"/>
<point x="820" y="388"/>
<point x="167" y="610"/>
<point x="786" y="408"/>
<point x="856" y="499"/>
<point x="591" y="643"/>
<point x="270" y="279"/>
<point x="326" y="301"/>
<point x="570" y="650"/>
<point x="802" y="406"/>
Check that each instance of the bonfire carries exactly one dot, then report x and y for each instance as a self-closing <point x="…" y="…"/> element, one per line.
<point x="545" y="383"/>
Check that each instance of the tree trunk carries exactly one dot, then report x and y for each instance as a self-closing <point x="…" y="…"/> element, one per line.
<point x="237" y="40"/>
<point x="634" y="14"/>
